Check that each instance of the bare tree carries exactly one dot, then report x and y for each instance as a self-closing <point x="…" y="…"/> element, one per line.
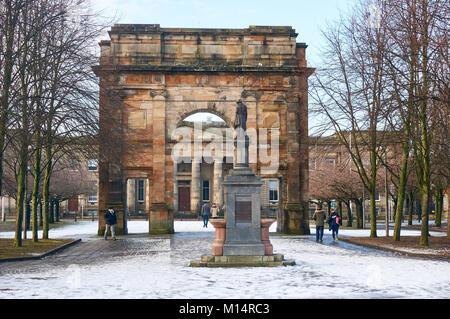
<point x="49" y="92"/>
<point x="350" y="88"/>
<point x="9" y="20"/>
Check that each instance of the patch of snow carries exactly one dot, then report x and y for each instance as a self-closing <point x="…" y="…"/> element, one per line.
<point x="157" y="267"/>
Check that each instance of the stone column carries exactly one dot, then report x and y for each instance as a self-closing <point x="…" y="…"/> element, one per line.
<point x="126" y="211"/>
<point x="175" y="186"/>
<point x="146" y="194"/>
<point x="195" y="186"/>
<point x="161" y="220"/>
<point x="241" y="142"/>
<point x="131" y="196"/>
<point x="296" y="208"/>
<point x="218" y="183"/>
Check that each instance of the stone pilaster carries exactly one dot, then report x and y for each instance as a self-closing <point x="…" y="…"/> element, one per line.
<point x="195" y="186"/>
<point x="175" y="186"/>
<point x="160" y="219"/>
<point x="218" y="183"/>
<point x="131" y="196"/>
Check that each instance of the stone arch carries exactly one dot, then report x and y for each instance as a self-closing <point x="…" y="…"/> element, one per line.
<point x="220" y="114"/>
<point x="173" y="79"/>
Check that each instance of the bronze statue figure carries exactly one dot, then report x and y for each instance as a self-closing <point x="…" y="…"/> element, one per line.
<point x="241" y="116"/>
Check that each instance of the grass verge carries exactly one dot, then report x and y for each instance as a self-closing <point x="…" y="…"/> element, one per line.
<point x="439" y="246"/>
<point x="29" y="248"/>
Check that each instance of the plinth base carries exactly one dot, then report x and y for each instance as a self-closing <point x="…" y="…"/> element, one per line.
<point x="242" y="261"/>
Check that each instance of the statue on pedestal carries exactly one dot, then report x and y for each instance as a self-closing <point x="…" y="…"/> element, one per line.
<point x="240" y="121"/>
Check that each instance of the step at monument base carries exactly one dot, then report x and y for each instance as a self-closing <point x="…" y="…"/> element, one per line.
<point x="242" y="261"/>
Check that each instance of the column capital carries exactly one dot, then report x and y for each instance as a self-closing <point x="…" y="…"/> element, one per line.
<point x="163" y="93"/>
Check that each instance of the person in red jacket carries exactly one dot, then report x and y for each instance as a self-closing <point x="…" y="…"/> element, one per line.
<point x="335" y="221"/>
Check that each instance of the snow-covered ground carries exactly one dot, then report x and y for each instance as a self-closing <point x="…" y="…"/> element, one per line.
<point x="157" y="267"/>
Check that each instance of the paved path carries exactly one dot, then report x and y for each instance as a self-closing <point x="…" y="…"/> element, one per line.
<point x="157" y="267"/>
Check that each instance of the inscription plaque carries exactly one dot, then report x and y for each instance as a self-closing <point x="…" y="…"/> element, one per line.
<point x="243" y="211"/>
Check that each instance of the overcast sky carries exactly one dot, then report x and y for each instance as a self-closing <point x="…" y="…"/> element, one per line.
<point x="307" y="17"/>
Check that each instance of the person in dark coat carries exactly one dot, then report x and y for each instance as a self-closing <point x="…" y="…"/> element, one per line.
<point x="206" y="212"/>
<point x="335" y="221"/>
<point x="111" y="221"/>
<point x="319" y="216"/>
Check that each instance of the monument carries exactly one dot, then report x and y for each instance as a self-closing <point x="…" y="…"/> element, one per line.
<point x="152" y="78"/>
<point x="242" y="238"/>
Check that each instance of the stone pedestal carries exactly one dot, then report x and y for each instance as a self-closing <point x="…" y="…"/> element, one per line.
<point x="242" y="239"/>
<point x="265" y="225"/>
<point x="217" y="247"/>
<point x="219" y="241"/>
<point x="218" y="259"/>
<point x="243" y="213"/>
<point x="161" y="219"/>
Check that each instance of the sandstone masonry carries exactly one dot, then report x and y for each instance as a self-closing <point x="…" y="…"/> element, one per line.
<point x="151" y="78"/>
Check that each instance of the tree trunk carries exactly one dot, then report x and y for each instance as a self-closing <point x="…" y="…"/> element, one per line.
<point x="57" y="208"/>
<point x="439" y="205"/>
<point x="35" y="196"/>
<point x="20" y="195"/>
<point x="11" y="15"/>
<point x="401" y="192"/>
<point x="340" y="209"/>
<point x="349" y="214"/>
<point x="410" y="207"/>
<point x="373" y="215"/>
<point x="328" y="207"/>
<point x="46" y="194"/>
<point x="425" y="208"/>
<point x="40" y="214"/>
<point x="27" y="215"/>
<point x="52" y="211"/>
<point x="359" y="214"/>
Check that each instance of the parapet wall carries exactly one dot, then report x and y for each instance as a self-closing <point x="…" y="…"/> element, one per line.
<point x="255" y="46"/>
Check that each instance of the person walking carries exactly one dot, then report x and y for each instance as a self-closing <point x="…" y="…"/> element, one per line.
<point x="335" y="221"/>
<point x="319" y="217"/>
<point x="206" y="211"/>
<point x="111" y="221"/>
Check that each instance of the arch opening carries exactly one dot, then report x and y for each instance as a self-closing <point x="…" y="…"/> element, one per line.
<point x="207" y="118"/>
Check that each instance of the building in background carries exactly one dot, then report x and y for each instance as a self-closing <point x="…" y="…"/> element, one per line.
<point x="330" y="163"/>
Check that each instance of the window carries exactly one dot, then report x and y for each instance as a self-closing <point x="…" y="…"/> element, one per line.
<point x="273" y="191"/>
<point x="205" y="191"/>
<point x="140" y="192"/>
<point x="377" y="196"/>
<point x="330" y="161"/>
<point x="92" y="198"/>
<point x="272" y="212"/>
<point x="92" y="164"/>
